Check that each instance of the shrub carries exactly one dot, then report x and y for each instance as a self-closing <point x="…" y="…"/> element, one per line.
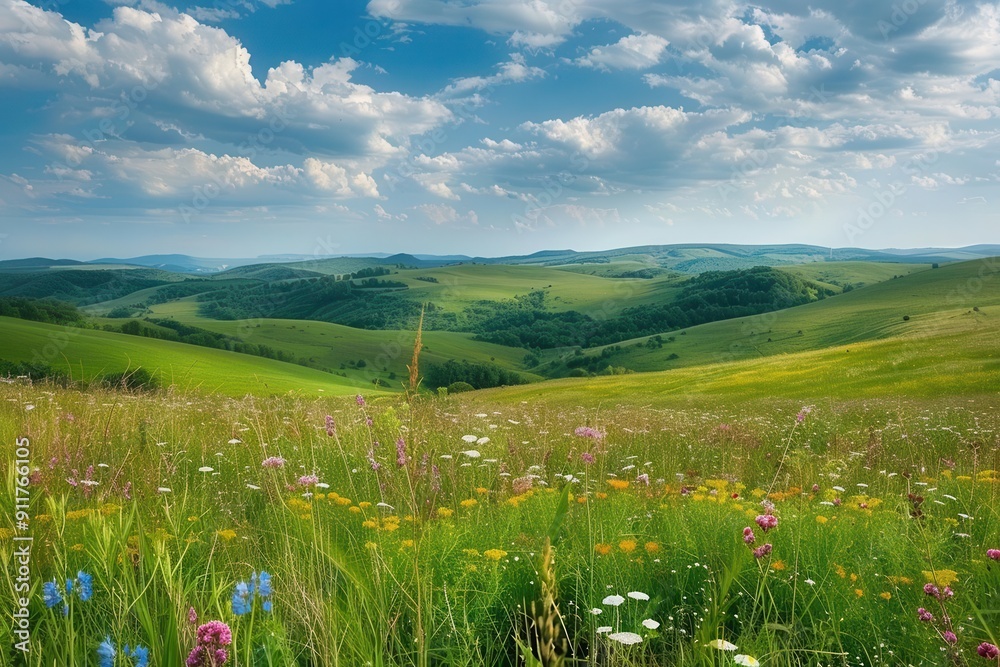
<point x="457" y="388"/>
<point x="134" y="380"/>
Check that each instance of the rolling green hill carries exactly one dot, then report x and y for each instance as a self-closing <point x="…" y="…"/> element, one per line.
<point x="338" y="348"/>
<point x="929" y="298"/>
<point x="88" y="354"/>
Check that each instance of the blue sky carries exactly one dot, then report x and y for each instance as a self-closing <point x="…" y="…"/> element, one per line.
<point x="243" y="127"/>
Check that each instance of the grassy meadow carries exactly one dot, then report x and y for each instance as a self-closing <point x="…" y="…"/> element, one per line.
<point x="494" y="527"/>
<point x="832" y="500"/>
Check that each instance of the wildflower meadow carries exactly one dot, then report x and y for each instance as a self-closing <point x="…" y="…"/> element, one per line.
<point x="178" y="529"/>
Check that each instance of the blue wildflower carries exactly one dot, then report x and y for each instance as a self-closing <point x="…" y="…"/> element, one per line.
<point x="50" y="594"/>
<point x="84" y="585"/>
<point x="141" y="655"/>
<point x="242" y="599"/>
<point x="265" y="585"/>
<point x="106" y="653"/>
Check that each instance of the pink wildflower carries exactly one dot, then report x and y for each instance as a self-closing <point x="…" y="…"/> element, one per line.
<point x="993" y="554"/>
<point x="924" y="615"/>
<point x="748" y="536"/>
<point x="274" y="462"/>
<point x="331" y="428"/>
<point x="587" y="458"/>
<point x="588" y="432"/>
<point x="988" y="651"/>
<point x="762" y="551"/>
<point x="766" y="521"/>
<point x="308" y="480"/>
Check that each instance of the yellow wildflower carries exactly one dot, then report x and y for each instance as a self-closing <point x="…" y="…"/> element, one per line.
<point x="364" y="504"/>
<point x="601" y="495"/>
<point x="77" y="547"/>
<point x="859" y="592"/>
<point x="494" y="554"/>
<point x="619" y="484"/>
<point x="470" y="552"/>
<point x="941" y="577"/>
<point x="820" y="519"/>
<point x="227" y="534"/>
<point x="469" y="502"/>
<point x="78" y="514"/>
<point x="652" y="547"/>
<point x="445" y="512"/>
<point x="627" y="546"/>
<point x="355" y="509"/>
<point x="885" y="595"/>
<point x="407" y="543"/>
<point x="369" y="523"/>
<point x="482" y="490"/>
<point x="778" y="565"/>
<point x="602" y="549"/>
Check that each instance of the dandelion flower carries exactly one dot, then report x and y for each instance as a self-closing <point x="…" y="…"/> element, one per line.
<point x="613" y="600"/>
<point x="650" y="624"/>
<point x="627" y="638"/>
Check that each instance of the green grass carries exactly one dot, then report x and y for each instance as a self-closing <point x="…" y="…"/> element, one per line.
<point x="933" y="299"/>
<point x="859" y="274"/>
<point x="459" y="286"/>
<point x="445" y="572"/>
<point x="328" y="346"/>
<point x="88" y="354"/>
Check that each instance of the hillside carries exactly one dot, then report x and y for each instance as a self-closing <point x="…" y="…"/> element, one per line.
<point x="87" y="354"/>
<point x="929" y="299"/>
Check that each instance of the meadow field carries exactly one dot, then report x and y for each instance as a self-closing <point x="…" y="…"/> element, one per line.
<point x="507" y="527"/>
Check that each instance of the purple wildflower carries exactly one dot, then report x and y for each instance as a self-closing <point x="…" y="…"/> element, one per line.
<point x="949" y="637"/>
<point x="308" y="480"/>
<point x="587" y="458"/>
<point x="924" y="615"/>
<point x="748" y="536"/>
<point x="766" y="521"/>
<point x="192" y="616"/>
<point x="360" y="400"/>
<point x="988" y="651"/>
<point x="762" y="551"/>
<point x="331" y="428"/>
<point x="588" y="432"/>
<point x="274" y="462"/>
<point x="643" y="479"/>
<point x="993" y="554"/>
<point x="401" y="457"/>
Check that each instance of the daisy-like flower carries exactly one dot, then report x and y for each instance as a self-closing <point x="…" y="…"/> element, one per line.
<point x="722" y="645"/>
<point x="746" y="660"/>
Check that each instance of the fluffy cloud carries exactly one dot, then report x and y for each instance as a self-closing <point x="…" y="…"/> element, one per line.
<point x="632" y="52"/>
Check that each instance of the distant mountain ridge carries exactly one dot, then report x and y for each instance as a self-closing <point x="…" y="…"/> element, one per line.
<point x="682" y="257"/>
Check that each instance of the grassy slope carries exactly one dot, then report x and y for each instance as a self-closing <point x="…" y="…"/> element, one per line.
<point x="329" y="345"/>
<point x="947" y="348"/>
<point x="459" y="286"/>
<point x="87" y="354"/>
<point x="859" y="274"/>
<point x="929" y="297"/>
